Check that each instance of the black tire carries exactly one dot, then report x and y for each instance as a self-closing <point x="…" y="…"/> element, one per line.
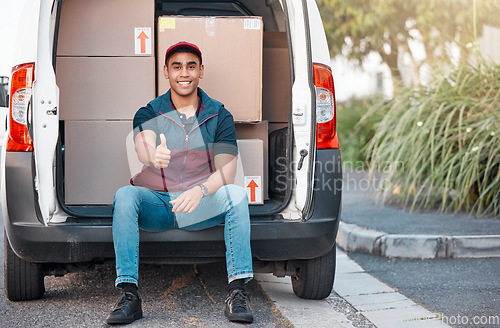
<point x="315" y="277"/>
<point x="23" y="280"/>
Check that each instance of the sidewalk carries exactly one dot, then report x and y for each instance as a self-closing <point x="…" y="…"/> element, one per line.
<point x="384" y="306"/>
<point x="392" y="232"/>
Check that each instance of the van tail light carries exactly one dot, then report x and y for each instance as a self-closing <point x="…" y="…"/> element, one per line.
<point x="326" y="118"/>
<point x="20" y="95"/>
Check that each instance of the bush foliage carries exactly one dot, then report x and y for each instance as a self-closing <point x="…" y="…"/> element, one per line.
<point x="354" y="133"/>
<point x="439" y="145"/>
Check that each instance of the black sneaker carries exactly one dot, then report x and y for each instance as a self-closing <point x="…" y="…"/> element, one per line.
<point x="127" y="309"/>
<point x="237" y="308"/>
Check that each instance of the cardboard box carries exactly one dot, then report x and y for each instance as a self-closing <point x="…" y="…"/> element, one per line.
<point x="232" y="56"/>
<point x="106" y="28"/>
<point x="101" y="88"/>
<point x="257" y="131"/>
<point x="276" y="85"/>
<point x="249" y="173"/>
<point x="96" y="163"/>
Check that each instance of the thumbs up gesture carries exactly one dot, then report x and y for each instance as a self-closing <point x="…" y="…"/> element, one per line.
<point x="162" y="154"/>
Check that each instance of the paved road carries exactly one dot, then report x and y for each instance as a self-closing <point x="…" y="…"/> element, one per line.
<point x="463" y="290"/>
<point x="454" y="287"/>
<point x="173" y="296"/>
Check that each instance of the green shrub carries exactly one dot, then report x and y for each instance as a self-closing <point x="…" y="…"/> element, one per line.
<point x="440" y="145"/>
<point x="353" y="133"/>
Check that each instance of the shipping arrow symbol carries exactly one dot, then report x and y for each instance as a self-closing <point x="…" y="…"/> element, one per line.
<point x="143" y="38"/>
<point x="252" y="185"/>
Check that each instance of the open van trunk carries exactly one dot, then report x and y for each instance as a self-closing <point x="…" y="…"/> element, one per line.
<point x="95" y="154"/>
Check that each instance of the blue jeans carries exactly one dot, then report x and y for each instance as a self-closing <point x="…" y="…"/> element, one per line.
<point x="142" y="208"/>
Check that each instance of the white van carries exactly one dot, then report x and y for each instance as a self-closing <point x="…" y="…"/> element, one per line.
<point x="46" y="233"/>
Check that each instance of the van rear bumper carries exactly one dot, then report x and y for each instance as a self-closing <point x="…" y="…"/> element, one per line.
<point x="271" y="240"/>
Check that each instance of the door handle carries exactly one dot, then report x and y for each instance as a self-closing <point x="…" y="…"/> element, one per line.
<point x="52" y="111"/>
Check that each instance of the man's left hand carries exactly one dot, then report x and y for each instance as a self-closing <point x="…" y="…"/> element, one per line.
<point x="187" y="201"/>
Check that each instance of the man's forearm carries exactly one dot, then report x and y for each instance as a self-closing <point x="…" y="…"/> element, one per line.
<point x="222" y="176"/>
<point x="145" y="147"/>
<point x="145" y="153"/>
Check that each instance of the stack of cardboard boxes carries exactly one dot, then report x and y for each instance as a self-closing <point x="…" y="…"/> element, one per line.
<point x="106" y="71"/>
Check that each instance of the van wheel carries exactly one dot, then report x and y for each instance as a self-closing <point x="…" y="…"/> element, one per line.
<point x="23" y="280"/>
<point x="314" y="279"/>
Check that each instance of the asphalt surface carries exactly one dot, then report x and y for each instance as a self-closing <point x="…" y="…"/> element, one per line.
<point x="465" y="292"/>
<point x="173" y="296"/>
<point x="359" y="206"/>
<point x="465" y="288"/>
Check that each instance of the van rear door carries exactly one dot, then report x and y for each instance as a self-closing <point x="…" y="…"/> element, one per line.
<point x="303" y="101"/>
<point x="45" y="111"/>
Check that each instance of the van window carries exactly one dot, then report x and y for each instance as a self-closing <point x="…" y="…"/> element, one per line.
<point x="4" y="84"/>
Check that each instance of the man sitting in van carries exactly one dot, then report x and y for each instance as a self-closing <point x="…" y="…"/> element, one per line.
<point x="187" y="143"/>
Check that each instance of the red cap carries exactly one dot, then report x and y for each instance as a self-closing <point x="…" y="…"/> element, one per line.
<point x="183" y="44"/>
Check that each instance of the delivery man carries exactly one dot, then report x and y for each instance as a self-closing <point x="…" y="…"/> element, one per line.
<point x="187" y="143"/>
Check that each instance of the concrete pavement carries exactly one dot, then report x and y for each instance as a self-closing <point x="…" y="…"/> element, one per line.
<point x="378" y="302"/>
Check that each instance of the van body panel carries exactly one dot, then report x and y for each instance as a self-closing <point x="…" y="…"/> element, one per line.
<point x="3" y="166"/>
<point x="27" y="34"/>
<point x="320" y="52"/>
<point x="20" y="205"/>
<point x="327" y="184"/>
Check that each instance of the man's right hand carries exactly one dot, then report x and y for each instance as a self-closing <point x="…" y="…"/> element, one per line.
<point x="161" y="158"/>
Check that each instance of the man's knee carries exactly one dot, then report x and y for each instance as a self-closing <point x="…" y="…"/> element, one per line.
<point x="126" y="195"/>
<point x="237" y="193"/>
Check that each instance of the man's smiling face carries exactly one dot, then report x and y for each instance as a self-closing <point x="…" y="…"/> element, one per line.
<point x="184" y="73"/>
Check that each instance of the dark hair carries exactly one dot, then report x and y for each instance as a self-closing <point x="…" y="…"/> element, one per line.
<point x="182" y="50"/>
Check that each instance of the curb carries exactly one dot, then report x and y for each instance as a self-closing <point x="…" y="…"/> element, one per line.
<point x="353" y="238"/>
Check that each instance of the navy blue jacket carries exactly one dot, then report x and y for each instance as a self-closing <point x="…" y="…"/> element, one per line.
<point x="192" y="152"/>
